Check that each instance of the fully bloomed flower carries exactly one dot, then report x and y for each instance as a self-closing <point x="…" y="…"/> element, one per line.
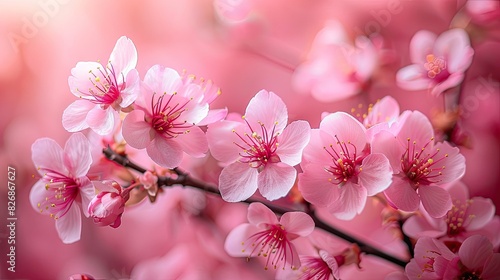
<point x="419" y="164"/>
<point x="430" y="261"/>
<point x="339" y="172"/>
<point x="438" y="63"/>
<point x="166" y="117"/>
<point x="103" y="91"/>
<point x="468" y="216"/>
<point x="64" y="186"/>
<point x="260" y="150"/>
<point x="106" y="208"/>
<point x="336" y="69"/>
<point x="269" y="237"/>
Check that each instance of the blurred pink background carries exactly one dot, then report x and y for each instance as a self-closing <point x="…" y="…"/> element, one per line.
<point x="241" y="57"/>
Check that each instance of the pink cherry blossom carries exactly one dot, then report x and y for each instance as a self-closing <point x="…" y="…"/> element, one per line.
<point x="269" y="237"/>
<point x="106" y="208"/>
<point x="166" y="116"/>
<point x="339" y="172"/>
<point x="260" y="150"/>
<point x="438" y="63"/>
<point x="430" y="261"/>
<point x="475" y="260"/>
<point x="419" y="165"/>
<point x="335" y="68"/>
<point x="64" y="187"/>
<point x="103" y="91"/>
<point x="468" y="216"/>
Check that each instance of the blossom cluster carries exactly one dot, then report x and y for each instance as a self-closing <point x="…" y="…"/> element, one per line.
<point x="386" y="155"/>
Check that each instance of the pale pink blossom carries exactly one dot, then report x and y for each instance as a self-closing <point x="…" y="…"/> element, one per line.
<point x="103" y="91"/>
<point x="468" y="216"/>
<point x="335" y="68"/>
<point x="431" y="260"/>
<point x="269" y="237"/>
<point x="64" y="187"/>
<point x="420" y="165"/>
<point x="438" y="63"/>
<point x="106" y="208"/>
<point x="339" y="171"/>
<point x="260" y="150"/>
<point x="166" y="117"/>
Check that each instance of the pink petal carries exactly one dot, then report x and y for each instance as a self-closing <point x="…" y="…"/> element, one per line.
<point x="386" y="143"/>
<point x="213" y="116"/>
<point x="102" y="121"/>
<point x="417" y="226"/>
<point x="454" y="46"/>
<point x="79" y="82"/>
<point x="137" y="132"/>
<point x="78" y="157"/>
<point x="436" y="200"/>
<point x="376" y="175"/>
<point x="267" y="108"/>
<point x="402" y="195"/>
<point x="474" y="252"/>
<point x="418" y="128"/>
<point x="458" y="191"/>
<point x="386" y="110"/>
<point x="483" y="211"/>
<point x="413" y="270"/>
<point x="315" y="187"/>
<point x="48" y="155"/>
<point x="292" y="142"/>
<point x="74" y="117"/>
<point x="87" y="193"/>
<point x="421" y="45"/>
<point x="491" y="268"/>
<point x="162" y="80"/>
<point x="132" y="89"/>
<point x="430" y="247"/>
<point x="166" y="153"/>
<point x="259" y="215"/>
<point x="234" y="244"/>
<point x="221" y="139"/>
<point x="194" y="143"/>
<point x="38" y="193"/>
<point x="238" y="182"/>
<point x="347" y="129"/>
<point x="453" y="80"/>
<point x="412" y="77"/>
<point x="314" y="151"/>
<point x="124" y="56"/>
<point x="69" y="226"/>
<point x="351" y="202"/>
<point x="276" y="180"/>
<point x="297" y="223"/>
<point x="454" y="162"/>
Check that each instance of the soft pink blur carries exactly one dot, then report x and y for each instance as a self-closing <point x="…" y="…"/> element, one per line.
<point x="257" y="51"/>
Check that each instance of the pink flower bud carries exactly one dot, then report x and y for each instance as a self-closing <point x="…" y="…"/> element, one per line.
<point x="107" y="207"/>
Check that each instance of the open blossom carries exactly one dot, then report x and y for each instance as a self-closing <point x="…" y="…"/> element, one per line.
<point x="260" y="150"/>
<point x="467" y="216"/>
<point x="269" y="237"/>
<point x="103" y="91"/>
<point x="106" y="208"/>
<point x="339" y="172"/>
<point x="419" y="164"/>
<point x="64" y="187"/>
<point x="166" y="117"/>
<point x="336" y="69"/>
<point x="438" y="63"/>
<point x="430" y="261"/>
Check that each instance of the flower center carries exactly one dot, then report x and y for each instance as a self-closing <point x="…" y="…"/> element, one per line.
<point x="344" y="162"/>
<point x="436" y="68"/>
<point x="62" y="191"/>
<point x="314" y="268"/>
<point x="272" y="244"/>
<point x="456" y="217"/>
<point x="106" y="91"/>
<point x="165" y="118"/>
<point x="258" y="149"/>
<point x="470" y="275"/>
<point x="421" y="167"/>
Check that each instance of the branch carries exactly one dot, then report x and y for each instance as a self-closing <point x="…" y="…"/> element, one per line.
<point x="186" y="180"/>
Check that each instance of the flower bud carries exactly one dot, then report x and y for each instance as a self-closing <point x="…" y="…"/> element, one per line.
<point x="107" y="207"/>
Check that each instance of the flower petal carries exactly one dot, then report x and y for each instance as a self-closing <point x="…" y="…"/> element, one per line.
<point x="402" y="195"/>
<point x="454" y="45"/>
<point x="78" y="156"/>
<point x="376" y="175"/>
<point x="421" y="45"/>
<point x="474" y="252"/>
<point x="38" y="194"/>
<point x="298" y="223"/>
<point x="235" y="240"/>
<point x="347" y="129"/>
<point x="166" y="153"/>
<point x="102" y="121"/>
<point x="412" y="77"/>
<point x="136" y="131"/>
<point x="481" y="210"/>
<point x="213" y="116"/>
<point x="75" y="115"/>
<point x="47" y="155"/>
<point x="87" y="193"/>
<point x="292" y="142"/>
<point x="131" y="91"/>
<point x="222" y="139"/>
<point x="266" y="108"/>
<point x="417" y="226"/>
<point x="259" y="215"/>
<point x="435" y="200"/>
<point x="386" y="143"/>
<point x="491" y="268"/>
<point x="315" y="187"/>
<point x="352" y="201"/>
<point x="80" y="80"/>
<point x="69" y="226"/>
<point x="124" y="56"/>
<point x="161" y="80"/>
<point x="453" y="160"/>
<point x="237" y="182"/>
<point x="193" y="143"/>
<point x="276" y="180"/>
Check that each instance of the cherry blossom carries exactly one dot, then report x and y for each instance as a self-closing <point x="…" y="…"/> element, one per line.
<point x="430" y="261"/>
<point x="269" y="237"/>
<point x="260" y="150"/>
<point x="166" y="116"/>
<point x="419" y="165"/>
<point x="438" y="63"/>
<point x="106" y="208"/>
<point x="339" y="171"/>
<point x="64" y="187"/>
<point x="103" y="91"/>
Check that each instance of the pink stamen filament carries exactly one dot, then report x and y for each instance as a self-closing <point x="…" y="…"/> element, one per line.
<point x="64" y="190"/>
<point x="420" y="168"/>
<point x="164" y="118"/>
<point x="344" y="163"/>
<point x="104" y="92"/>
